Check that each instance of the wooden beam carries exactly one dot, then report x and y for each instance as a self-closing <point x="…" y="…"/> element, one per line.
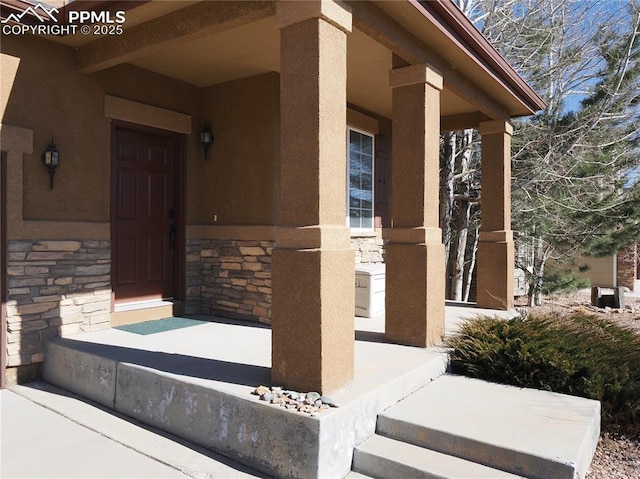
<point x="461" y="121"/>
<point x="377" y="24"/>
<point x="197" y="21"/>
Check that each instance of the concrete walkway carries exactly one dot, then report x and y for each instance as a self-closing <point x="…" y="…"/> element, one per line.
<point x="45" y="432"/>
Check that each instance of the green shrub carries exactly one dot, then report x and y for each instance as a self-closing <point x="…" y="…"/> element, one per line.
<point x="562" y="281"/>
<point x="580" y="355"/>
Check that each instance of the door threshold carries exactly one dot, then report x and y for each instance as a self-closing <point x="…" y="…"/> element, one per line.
<point x="139" y="311"/>
<point x="150" y="303"/>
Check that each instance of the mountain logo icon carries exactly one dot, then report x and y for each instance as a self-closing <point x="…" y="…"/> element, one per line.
<point x="41" y="12"/>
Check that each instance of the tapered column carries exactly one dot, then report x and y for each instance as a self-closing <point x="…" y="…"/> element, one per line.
<point x="313" y="264"/>
<point x="495" y="246"/>
<point x="415" y="253"/>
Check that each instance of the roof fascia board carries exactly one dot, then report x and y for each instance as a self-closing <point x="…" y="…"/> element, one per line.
<point x="449" y="19"/>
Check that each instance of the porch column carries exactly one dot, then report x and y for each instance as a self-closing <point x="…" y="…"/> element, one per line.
<point x="415" y="254"/>
<point x="495" y="246"/>
<point x="313" y="278"/>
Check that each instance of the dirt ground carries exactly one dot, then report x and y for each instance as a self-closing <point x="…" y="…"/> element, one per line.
<point x="615" y="458"/>
<point x="581" y="301"/>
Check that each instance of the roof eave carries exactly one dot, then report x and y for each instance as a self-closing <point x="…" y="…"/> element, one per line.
<point x="454" y="24"/>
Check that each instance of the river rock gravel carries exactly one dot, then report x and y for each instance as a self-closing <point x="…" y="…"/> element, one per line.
<point x="615" y="458"/>
<point x="310" y="403"/>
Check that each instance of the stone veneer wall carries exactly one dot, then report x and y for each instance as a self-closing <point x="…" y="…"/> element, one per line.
<point x="55" y="288"/>
<point x="229" y="278"/>
<point x="368" y="249"/>
<point x="627" y="264"/>
<point x="193" y="273"/>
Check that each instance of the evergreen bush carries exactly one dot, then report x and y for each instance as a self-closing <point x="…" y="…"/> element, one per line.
<point x="579" y="354"/>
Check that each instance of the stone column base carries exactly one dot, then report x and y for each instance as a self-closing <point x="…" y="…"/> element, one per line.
<point x="495" y="274"/>
<point x="313" y="309"/>
<point x="415" y="294"/>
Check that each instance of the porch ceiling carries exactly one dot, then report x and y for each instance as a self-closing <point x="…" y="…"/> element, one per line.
<point x="206" y="43"/>
<point x="254" y="48"/>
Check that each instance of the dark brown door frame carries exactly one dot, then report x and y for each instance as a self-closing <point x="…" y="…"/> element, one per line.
<point x="179" y="266"/>
<point x="3" y="270"/>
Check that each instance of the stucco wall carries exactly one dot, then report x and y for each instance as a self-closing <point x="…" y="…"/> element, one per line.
<point x="602" y="271"/>
<point x="236" y="183"/>
<point x="41" y="90"/>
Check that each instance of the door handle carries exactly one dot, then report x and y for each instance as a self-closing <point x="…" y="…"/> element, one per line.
<point x="172" y="235"/>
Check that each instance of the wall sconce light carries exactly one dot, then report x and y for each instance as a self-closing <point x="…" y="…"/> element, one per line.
<point x="206" y="138"/>
<point x="51" y="159"/>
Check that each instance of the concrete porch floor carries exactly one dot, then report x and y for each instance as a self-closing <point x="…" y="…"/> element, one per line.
<point x="235" y="356"/>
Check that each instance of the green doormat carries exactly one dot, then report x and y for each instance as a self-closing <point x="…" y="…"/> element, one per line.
<point x="159" y="325"/>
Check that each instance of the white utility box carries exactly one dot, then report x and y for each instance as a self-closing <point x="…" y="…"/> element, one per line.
<point x="370" y="280"/>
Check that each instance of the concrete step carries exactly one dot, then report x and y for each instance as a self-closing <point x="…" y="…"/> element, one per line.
<point x="387" y="458"/>
<point x="531" y="433"/>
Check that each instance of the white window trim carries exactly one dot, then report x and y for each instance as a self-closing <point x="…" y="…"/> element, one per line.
<point x="354" y="232"/>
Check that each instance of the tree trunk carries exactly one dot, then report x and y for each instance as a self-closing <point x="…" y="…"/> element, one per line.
<point x="537" y="273"/>
<point x="471" y="265"/>
<point x="457" y="277"/>
<point x="458" y="253"/>
<point x="446" y="196"/>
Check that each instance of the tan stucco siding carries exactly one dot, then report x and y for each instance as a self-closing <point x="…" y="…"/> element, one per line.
<point x="47" y="96"/>
<point x="42" y="91"/>
<point x="602" y="271"/>
<point x="236" y="183"/>
<point x="133" y="83"/>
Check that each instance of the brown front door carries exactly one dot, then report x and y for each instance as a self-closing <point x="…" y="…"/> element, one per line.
<point x="143" y="215"/>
